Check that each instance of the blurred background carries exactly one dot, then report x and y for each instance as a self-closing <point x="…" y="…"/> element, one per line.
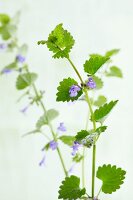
<point x="97" y="26"/>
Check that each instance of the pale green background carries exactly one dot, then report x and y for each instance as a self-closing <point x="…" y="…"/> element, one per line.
<point x="97" y="25"/>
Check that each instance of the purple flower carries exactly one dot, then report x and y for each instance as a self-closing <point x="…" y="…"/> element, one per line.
<point x="71" y="170"/>
<point x="24" y="110"/>
<point x="75" y="148"/>
<point x="95" y="198"/>
<point x="61" y="127"/>
<point x="6" y="71"/>
<point x="42" y="162"/>
<point x="3" y="46"/>
<point x="20" y="58"/>
<point x="74" y="89"/>
<point x="91" y="84"/>
<point x="53" y="145"/>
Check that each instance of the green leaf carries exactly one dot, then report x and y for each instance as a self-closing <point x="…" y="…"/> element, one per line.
<point x="101" y="129"/>
<point x="86" y="138"/>
<point x="100" y="101"/>
<point x="4" y="19"/>
<point x="70" y="189"/>
<point x="77" y="158"/>
<point x="11" y="66"/>
<point x="63" y="90"/>
<point x="42" y="42"/>
<point x="5" y="33"/>
<point x="98" y="81"/>
<point x="112" y="52"/>
<point x="25" y="80"/>
<point x="12" y="28"/>
<point x="46" y="147"/>
<point x="112" y="177"/>
<point x="41" y="122"/>
<point x="103" y="111"/>
<point x="22" y="50"/>
<point x="45" y="119"/>
<point x="60" y="42"/>
<point x="52" y="114"/>
<point x="81" y="135"/>
<point x="4" y="28"/>
<point x="114" y="71"/>
<point x="96" y="61"/>
<point x="67" y="139"/>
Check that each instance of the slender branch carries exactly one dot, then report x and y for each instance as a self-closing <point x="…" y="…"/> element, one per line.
<point x="50" y="126"/>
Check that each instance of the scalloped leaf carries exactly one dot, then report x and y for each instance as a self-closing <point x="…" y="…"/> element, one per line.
<point x="70" y="189"/>
<point x="24" y="80"/>
<point x="43" y="120"/>
<point x="103" y="111"/>
<point x="115" y="72"/>
<point x="52" y="114"/>
<point x="101" y="129"/>
<point x="67" y="139"/>
<point x="111" y="177"/>
<point x="63" y="90"/>
<point x="81" y="135"/>
<point x="95" y="62"/>
<point x="60" y="42"/>
<point x="101" y="100"/>
<point x="98" y="81"/>
<point x="112" y="52"/>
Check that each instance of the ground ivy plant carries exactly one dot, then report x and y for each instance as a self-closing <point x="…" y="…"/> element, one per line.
<point x="60" y="42"/>
<point x="96" y="67"/>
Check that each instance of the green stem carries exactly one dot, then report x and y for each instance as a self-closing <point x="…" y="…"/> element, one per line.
<point x="83" y="168"/>
<point x="94" y="126"/>
<point x="75" y="69"/>
<point x="99" y="192"/>
<point x="94" y="146"/>
<point x="90" y="107"/>
<point x="50" y="127"/>
<point x="93" y="170"/>
<point x="83" y="160"/>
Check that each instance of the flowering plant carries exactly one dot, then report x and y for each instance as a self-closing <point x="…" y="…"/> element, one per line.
<point x="60" y="43"/>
